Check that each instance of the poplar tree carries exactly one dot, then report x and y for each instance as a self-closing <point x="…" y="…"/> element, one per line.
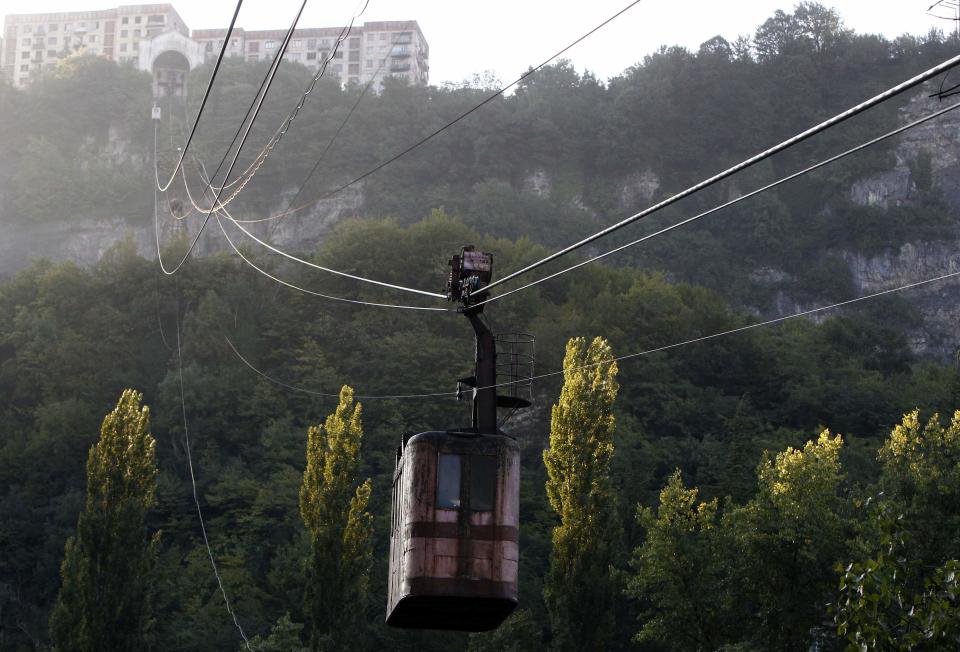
<point x="580" y="590"/>
<point x="104" y="601"/>
<point x="333" y="507"/>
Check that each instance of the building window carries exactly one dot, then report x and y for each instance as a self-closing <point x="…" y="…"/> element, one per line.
<point x="136" y="33"/>
<point x="369" y="49"/>
<point x="52" y="40"/>
<point x="26" y="42"/>
<point x="325" y="43"/>
<point x="53" y="27"/>
<point x="338" y="68"/>
<point x="253" y="46"/>
<point x="269" y="45"/>
<point x="354" y="55"/>
<point x="137" y="20"/>
<point x="27" y="29"/>
<point x="338" y="54"/>
<point x="51" y="53"/>
<point x="293" y="56"/>
<point x="369" y="63"/>
<point x="296" y="44"/>
<point x="24" y="55"/>
<point x="25" y="67"/>
<point x="355" y="43"/>
<point x="311" y="56"/>
<point x="125" y="20"/>
<point x="92" y="38"/>
<point x="312" y="44"/>
<point x="123" y="33"/>
<point x="234" y="43"/>
<point x="353" y="69"/>
<point x="123" y="47"/>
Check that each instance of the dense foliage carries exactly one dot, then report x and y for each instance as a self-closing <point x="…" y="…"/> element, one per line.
<point x="739" y="519"/>
<point x="108" y="567"/>
<point x="561" y="156"/>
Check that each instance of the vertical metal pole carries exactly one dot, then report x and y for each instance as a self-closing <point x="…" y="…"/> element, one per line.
<point x="485" y="396"/>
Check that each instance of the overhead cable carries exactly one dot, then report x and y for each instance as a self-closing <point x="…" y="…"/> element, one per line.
<point x="261" y="158"/>
<point x="739" y="199"/>
<point x="281" y="131"/>
<point x="196" y="499"/>
<point x="271" y="74"/>
<point x="326" y="148"/>
<point x="203" y="102"/>
<point x="302" y="261"/>
<point x="786" y="144"/>
<point x="186" y="186"/>
<point x="328" y="394"/>
<point x="659" y="349"/>
<point x="463" y="115"/>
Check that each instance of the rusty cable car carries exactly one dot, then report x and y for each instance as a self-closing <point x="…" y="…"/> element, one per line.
<point x="455" y="514"/>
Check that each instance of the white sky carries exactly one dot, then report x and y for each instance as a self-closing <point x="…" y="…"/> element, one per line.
<point x="508" y="36"/>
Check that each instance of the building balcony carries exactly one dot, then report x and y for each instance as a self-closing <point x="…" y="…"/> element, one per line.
<point x="399" y="67"/>
<point x="398" y="53"/>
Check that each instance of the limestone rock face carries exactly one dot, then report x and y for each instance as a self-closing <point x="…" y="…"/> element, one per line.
<point x="638" y="189"/>
<point x="84" y="241"/>
<point x="538" y="183"/>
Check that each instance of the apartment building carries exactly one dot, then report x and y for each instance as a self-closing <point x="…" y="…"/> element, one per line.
<point x="155" y="38"/>
<point x="372" y="51"/>
<point x="33" y="43"/>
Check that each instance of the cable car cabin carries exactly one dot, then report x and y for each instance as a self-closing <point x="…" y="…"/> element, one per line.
<point x="454" y="527"/>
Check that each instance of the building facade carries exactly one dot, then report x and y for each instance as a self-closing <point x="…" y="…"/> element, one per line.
<point x="155" y="38"/>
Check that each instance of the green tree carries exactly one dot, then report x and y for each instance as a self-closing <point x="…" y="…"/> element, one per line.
<point x="104" y="602"/>
<point x="676" y="570"/>
<point x="786" y="543"/>
<point x="333" y="507"/>
<point x="902" y="593"/>
<point x="884" y="602"/>
<point x="580" y="587"/>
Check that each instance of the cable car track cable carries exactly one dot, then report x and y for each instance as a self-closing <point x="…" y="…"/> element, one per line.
<point x="323" y="153"/>
<point x="629" y="356"/>
<point x="739" y="199"/>
<point x="193" y="483"/>
<point x="247" y="175"/>
<point x="203" y="102"/>
<point x="271" y="74"/>
<point x="297" y="287"/>
<point x="463" y="115"/>
<point x="786" y="144"/>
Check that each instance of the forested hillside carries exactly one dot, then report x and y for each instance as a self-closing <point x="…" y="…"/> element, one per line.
<point x="750" y="475"/>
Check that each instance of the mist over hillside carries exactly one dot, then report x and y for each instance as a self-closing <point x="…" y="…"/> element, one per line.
<point x="732" y="510"/>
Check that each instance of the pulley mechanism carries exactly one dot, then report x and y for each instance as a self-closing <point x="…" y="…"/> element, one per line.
<point x="470" y="272"/>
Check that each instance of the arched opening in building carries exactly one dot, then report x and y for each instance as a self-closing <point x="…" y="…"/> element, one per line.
<point x="170" y="70"/>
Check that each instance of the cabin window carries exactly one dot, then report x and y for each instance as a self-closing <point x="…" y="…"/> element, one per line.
<point x="483" y="480"/>
<point x="448" y="482"/>
<point x="480" y="473"/>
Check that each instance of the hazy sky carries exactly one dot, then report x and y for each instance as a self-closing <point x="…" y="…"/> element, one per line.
<point x="507" y="36"/>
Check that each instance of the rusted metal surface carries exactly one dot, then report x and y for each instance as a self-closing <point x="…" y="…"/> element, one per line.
<point x="464" y="557"/>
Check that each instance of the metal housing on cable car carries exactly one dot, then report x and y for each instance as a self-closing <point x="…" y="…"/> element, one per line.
<point x="455" y="517"/>
<point x="454" y="531"/>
